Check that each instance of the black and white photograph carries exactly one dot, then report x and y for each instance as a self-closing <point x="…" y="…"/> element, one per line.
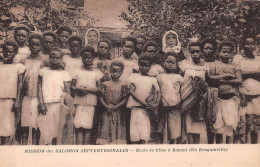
<point x="129" y="72"/>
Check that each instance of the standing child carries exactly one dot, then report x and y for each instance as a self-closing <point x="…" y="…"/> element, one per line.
<point x="63" y="34"/>
<point x="113" y="123"/>
<point x="21" y="33"/>
<point x="52" y="82"/>
<point x="140" y="41"/>
<point x="143" y="100"/>
<point x="30" y="111"/>
<point x="228" y="77"/>
<point x="73" y="61"/>
<point x="151" y="48"/>
<point x="103" y="59"/>
<point x="11" y="77"/>
<point x="49" y="41"/>
<point x="85" y="86"/>
<point x="170" y="84"/>
<point x="195" y="118"/>
<point x="130" y="64"/>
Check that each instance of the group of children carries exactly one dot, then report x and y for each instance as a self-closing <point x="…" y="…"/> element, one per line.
<point x="55" y="90"/>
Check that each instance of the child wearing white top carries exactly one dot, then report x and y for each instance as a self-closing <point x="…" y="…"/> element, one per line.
<point x="53" y="81"/>
<point x="85" y="86"/>
<point x="143" y="100"/>
<point x="30" y="111"/>
<point x="21" y="33"/>
<point x="73" y="61"/>
<point x="11" y="77"/>
<point x="170" y="83"/>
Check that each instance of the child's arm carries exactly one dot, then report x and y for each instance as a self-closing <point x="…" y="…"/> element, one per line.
<point x="133" y="94"/>
<point x="67" y="87"/>
<point x="109" y="107"/>
<point x="236" y="81"/>
<point x="154" y="105"/>
<point x="251" y="74"/>
<point x="17" y="105"/>
<point x="121" y="103"/>
<point x="42" y="107"/>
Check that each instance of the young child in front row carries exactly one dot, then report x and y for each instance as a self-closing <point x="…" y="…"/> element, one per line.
<point x="53" y="81"/>
<point x="11" y="77"/>
<point x="170" y="84"/>
<point x="228" y="77"/>
<point x="144" y="98"/>
<point x="114" y="93"/>
<point x="85" y="86"/>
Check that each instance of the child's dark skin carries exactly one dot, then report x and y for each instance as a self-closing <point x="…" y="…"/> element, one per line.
<point x="209" y="52"/>
<point x="103" y="50"/>
<point x="63" y="38"/>
<point x="128" y="49"/>
<point x="87" y="59"/>
<point x="9" y="53"/>
<point x="116" y="72"/>
<point x="35" y="46"/>
<point x="48" y="43"/>
<point x="21" y="36"/>
<point x="75" y="47"/>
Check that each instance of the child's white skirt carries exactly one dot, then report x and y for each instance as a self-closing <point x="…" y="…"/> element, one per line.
<point x="139" y="125"/>
<point x="7" y="117"/>
<point x="48" y="123"/>
<point x="84" y="116"/>
<point x="197" y="127"/>
<point x="227" y="113"/>
<point x="30" y="112"/>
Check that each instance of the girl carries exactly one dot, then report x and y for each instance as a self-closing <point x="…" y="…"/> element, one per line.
<point x="250" y="67"/>
<point x="92" y="37"/>
<point x="196" y="127"/>
<point x="49" y="41"/>
<point x="52" y="82"/>
<point x="11" y="77"/>
<point x="171" y="43"/>
<point x="85" y="86"/>
<point x="130" y="64"/>
<point x="113" y="124"/>
<point x="103" y="59"/>
<point x="151" y="48"/>
<point x="170" y="84"/>
<point x="63" y="34"/>
<point x="21" y="33"/>
<point x="30" y="111"/>
<point x="73" y="61"/>
<point x="209" y="47"/>
<point x="143" y="100"/>
<point x="228" y="77"/>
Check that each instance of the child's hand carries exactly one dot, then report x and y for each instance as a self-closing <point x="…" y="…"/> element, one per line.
<point x="80" y="92"/>
<point x="110" y="107"/>
<point x="131" y="88"/>
<point x="42" y="109"/>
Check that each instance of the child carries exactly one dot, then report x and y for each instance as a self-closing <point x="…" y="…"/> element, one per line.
<point x="85" y="86"/>
<point x="130" y="64"/>
<point x="228" y="76"/>
<point x="21" y="33"/>
<point x="140" y="41"/>
<point x="151" y="48"/>
<point x="52" y="82"/>
<point x="49" y="41"/>
<point x="170" y="84"/>
<point x="250" y="67"/>
<point x="143" y="100"/>
<point x="63" y="34"/>
<point x="209" y="49"/>
<point x="171" y="43"/>
<point x="73" y="61"/>
<point x="103" y="59"/>
<point x="92" y="37"/>
<point x="30" y="112"/>
<point x="11" y="77"/>
<point x="196" y="68"/>
<point x="113" y="98"/>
